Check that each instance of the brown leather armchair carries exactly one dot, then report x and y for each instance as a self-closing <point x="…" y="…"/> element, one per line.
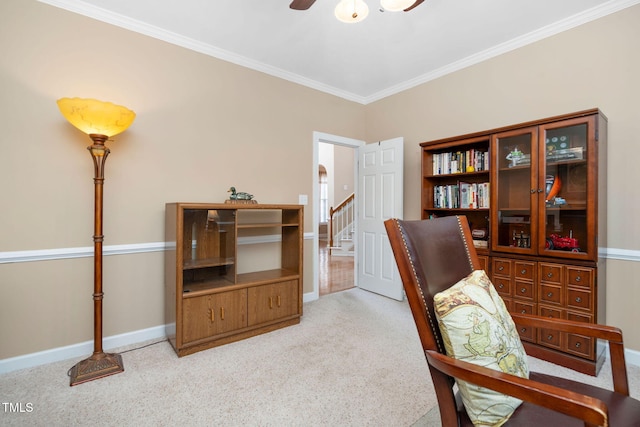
<point x="433" y="255"/>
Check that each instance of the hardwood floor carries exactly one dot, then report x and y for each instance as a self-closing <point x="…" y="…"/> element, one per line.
<point x="336" y="272"/>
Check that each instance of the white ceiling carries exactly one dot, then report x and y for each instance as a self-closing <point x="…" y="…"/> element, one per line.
<point x="386" y="53"/>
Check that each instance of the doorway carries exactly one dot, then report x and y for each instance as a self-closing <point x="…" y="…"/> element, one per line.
<point x="335" y="273"/>
<point x="336" y="231"/>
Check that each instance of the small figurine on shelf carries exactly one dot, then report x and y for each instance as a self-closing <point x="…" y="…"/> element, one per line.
<point x="515" y="157"/>
<point x="239" y="197"/>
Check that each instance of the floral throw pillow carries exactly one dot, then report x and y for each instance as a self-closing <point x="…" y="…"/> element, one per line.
<point x="477" y="328"/>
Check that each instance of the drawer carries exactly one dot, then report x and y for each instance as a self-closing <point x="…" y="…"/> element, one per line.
<point x="526" y="333"/>
<point x="550" y="294"/>
<point x="524" y="270"/>
<point x="582" y="277"/>
<point x="580" y="299"/>
<point x="579" y="317"/>
<point x="502" y="267"/>
<point x="580" y="346"/>
<point x="554" y="313"/>
<point x="502" y="285"/>
<point x="526" y="290"/>
<point x="551" y="273"/>
<point x="549" y="337"/>
<point x="524" y="307"/>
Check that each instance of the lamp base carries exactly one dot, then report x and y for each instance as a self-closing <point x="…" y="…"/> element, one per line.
<point x="97" y="366"/>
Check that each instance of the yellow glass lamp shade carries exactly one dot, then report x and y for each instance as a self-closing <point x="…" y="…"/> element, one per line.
<point x="96" y="117"/>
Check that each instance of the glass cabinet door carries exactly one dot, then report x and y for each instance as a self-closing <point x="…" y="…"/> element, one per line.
<point x="564" y="178"/>
<point x="513" y="183"/>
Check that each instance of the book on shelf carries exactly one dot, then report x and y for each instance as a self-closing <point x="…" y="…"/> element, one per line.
<point x="463" y="195"/>
<point x="460" y="161"/>
<point x="482" y="244"/>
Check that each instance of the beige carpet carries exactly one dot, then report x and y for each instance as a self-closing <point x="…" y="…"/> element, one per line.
<point x="354" y="360"/>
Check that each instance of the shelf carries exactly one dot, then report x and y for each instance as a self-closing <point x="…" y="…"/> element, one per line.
<point x="266" y="276"/>
<point x="266" y="225"/>
<point x="255" y="278"/>
<point x="527" y="166"/>
<point x="458" y="175"/>
<point x="566" y="208"/>
<point x="205" y="287"/>
<point x="457" y="209"/>
<point x="548" y="209"/>
<point x="207" y="262"/>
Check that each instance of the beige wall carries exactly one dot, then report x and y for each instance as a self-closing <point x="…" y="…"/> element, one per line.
<point x="204" y="125"/>
<point x="343" y="174"/>
<point x="594" y="65"/>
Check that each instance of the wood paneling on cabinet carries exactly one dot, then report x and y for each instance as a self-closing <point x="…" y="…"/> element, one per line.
<point x="540" y="231"/>
<point x="209" y="302"/>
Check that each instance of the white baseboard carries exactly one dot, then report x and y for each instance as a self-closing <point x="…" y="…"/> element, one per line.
<point x="632" y="357"/>
<point x="85" y="349"/>
<point x="80" y="349"/>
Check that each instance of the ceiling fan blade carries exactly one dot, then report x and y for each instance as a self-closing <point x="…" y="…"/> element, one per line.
<point x="302" y="4"/>
<point x="416" y="4"/>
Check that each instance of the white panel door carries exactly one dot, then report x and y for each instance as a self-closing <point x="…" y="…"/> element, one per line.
<point x="380" y="171"/>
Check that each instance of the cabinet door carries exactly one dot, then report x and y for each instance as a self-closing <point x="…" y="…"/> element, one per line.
<point x="214" y="314"/>
<point x="272" y="302"/>
<point x="514" y="190"/>
<point x="567" y="169"/>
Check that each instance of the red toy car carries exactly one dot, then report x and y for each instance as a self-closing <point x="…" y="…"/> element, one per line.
<point x="555" y="241"/>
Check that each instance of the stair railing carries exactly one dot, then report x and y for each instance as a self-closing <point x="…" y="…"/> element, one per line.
<point x="341" y="220"/>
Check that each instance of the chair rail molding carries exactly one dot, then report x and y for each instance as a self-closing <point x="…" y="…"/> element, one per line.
<point x="134" y="248"/>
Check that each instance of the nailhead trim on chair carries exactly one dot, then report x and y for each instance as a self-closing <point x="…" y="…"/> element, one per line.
<point x="415" y="276"/>
<point x="466" y="247"/>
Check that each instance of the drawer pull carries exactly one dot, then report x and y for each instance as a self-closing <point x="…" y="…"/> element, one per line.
<point x="523" y="330"/>
<point x="549" y="275"/>
<point x="212" y="315"/>
<point x="221" y="313"/>
<point x="523" y="290"/>
<point x="550" y="294"/>
<point x="578" y="278"/>
<point x="578" y="345"/>
<point x="549" y="337"/>
<point x="278" y="300"/>
<point x="523" y="311"/>
<point x="523" y="271"/>
<point x="500" y="268"/>
<point x="501" y="285"/>
<point x="270" y="302"/>
<point x="578" y="299"/>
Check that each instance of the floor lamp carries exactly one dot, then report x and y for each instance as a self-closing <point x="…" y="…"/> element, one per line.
<point x="100" y="120"/>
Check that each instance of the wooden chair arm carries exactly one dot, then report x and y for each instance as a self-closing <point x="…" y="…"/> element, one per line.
<point x="591" y="410"/>
<point x="609" y="333"/>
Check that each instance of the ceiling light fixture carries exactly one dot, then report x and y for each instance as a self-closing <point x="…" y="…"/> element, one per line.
<point x="396" y="5"/>
<point x="351" y="11"/>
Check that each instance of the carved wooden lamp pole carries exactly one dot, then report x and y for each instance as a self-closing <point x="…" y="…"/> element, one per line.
<point x="100" y="120"/>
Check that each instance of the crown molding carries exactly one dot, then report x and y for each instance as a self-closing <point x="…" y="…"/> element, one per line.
<point x="137" y="26"/>
<point x="524" y="40"/>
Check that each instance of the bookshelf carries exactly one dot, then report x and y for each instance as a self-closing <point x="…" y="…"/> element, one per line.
<point x="539" y="233"/>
